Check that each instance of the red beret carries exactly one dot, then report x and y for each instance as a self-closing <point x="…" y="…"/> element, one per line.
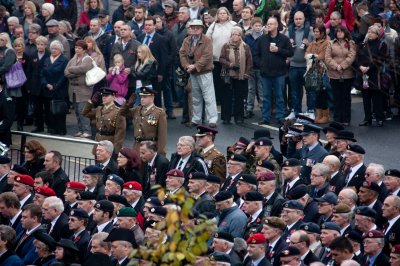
<point x="257" y="238"/>
<point x="133" y="185"/>
<point x="45" y="191"/>
<point x="266" y="176"/>
<point x="373" y="234"/>
<point x="175" y="173"/>
<point x="396" y="249"/>
<point x="25" y="179"/>
<point x="76" y="186"/>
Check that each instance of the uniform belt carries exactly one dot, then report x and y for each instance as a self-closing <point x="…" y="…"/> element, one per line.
<point x="106" y="133"/>
<point x="138" y="139"/>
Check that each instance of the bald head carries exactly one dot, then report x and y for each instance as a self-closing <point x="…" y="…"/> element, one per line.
<point x="299" y="19"/>
<point x="332" y="162"/>
<point x="348" y="197"/>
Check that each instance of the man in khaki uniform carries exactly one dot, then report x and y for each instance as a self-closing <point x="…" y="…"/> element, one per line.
<point x="213" y="158"/>
<point x="109" y="122"/>
<point x="149" y="121"/>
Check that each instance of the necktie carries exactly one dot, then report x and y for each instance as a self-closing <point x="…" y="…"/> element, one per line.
<point x="51" y="229"/>
<point x="146" y="40"/>
<point x="368" y="262"/>
<point x="348" y="176"/>
<point x="101" y="165"/>
<point x="385" y="227"/>
<point x="180" y="164"/>
<point x="25" y="236"/>
<point x="287" y="189"/>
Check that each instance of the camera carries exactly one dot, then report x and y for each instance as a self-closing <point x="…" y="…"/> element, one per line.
<point x="191" y="56"/>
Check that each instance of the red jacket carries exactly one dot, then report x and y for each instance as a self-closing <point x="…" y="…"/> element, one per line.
<point x="347" y="13"/>
<point x="84" y="19"/>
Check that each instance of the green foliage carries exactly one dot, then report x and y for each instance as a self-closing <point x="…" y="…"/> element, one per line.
<point x="181" y="241"/>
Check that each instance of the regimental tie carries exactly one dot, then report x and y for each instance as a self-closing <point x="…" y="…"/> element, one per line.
<point x="348" y="177"/>
<point x="147" y="40"/>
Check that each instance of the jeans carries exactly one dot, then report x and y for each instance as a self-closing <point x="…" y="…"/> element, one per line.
<point x="275" y="85"/>
<point x="255" y="87"/>
<point x="83" y="121"/>
<point x="296" y="77"/>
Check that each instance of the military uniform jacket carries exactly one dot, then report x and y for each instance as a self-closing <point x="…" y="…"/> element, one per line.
<point x="215" y="162"/>
<point x="392" y="236"/>
<point x="358" y="178"/>
<point x="309" y="159"/>
<point x="150" y="124"/>
<point x="81" y="242"/>
<point x="205" y="203"/>
<point x="273" y="207"/>
<point x="109" y="123"/>
<point x="255" y="226"/>
<point x="277" y="170"/>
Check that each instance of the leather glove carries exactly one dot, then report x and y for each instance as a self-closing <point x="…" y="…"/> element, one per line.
<point x="96" y="100"/>
<point x="131" y="100"/>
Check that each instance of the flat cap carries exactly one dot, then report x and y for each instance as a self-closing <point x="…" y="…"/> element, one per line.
<point x="238" y="158"/>
<point x="80" y="213"/>
<point x="297" y="192"/>
<point x="355" y="148"/>
<point x="67" y="244"/>
<point x="213" y="179"/>
<point x="329" y="197"/>
<point x="354" y="235"/>
<point x="76" y="186"/>
<point x="52" y="23"/>
<point x="160" y="211"/>
<point x="290" y="251"/>
<point x="266" y="176"/>
<point x="92" y="170"/>
<point x="334" y="127"/>
<point x="127" y="212"/>
<point x="25" y="179"/>
<point x="392" y="172"/>
<point x="121" y="234"/>
<point x="223" y="195"/>
<point x="266" y="164"/>
<point x="45" y="191"/>
<point x="105" y="206"/>
<point x="366" y="211"/>
<point x="224" y="236"/>
<point x="373" y="234"/>
<point x="263" y="142"/>
<point x="341" y="208"/>
<point x="253" y="196"/>
<point x="195" y="22"/>
<point x="133" y="185"/>
<point x="372" y="186"/>
<point x="86" y="195"/>
<point x="4" y="160"/>
<point x="291" y="162"/>
<point x="262" y="133"/>
<point x="293" y="204"/>
<point x="330" y="226"/>
<point x="203" y="130"/>
<point x="256" y="238"/>
<point x="311" y="228"/>
<point x="220" y="257"/>
<point x="345" y="135"/>
<point x="116" y="179"/>
<point x="175" y="173"/>
<point x="249" y="179"/>
<point x="275" y="222"/>
<point x="19" y="169"/>
<point x="118" y="199"/>
<point x="198" y="176"/>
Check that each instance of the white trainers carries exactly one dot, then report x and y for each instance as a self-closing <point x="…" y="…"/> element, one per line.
<point x="302" y="46"/>
<point x="311" y="115"/>
<point x="354" y="91"/>
<point x="291" y="116"/>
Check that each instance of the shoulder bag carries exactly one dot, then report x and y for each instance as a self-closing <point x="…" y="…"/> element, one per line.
<point x="94" y="75"/>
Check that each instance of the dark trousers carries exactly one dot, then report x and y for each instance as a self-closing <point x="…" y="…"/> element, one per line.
<point x="55" y="122"/>
<point x="373" y="102"/>
<point x="218" y="83"/>
<point x="239" y="89"/>
<point x="21" y="105"/>
<point x="342" y="99"/>
<point x="40" y="109"/>
<point x="321" y="99"/>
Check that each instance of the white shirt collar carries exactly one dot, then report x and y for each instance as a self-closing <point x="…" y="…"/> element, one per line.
<point x="391" y="222"/>
<point x="396" y="191"/>
<point x="105" y="163"/>
<point x="205" y="150"/>
<point x="291" y="183"/>
<point x="355" y="168"/>
<point x="152" y="160"/>
<point x="372" y="204"/>
<point x="12" y="220"/>
<point x="273" y="244"/>
<point x="77" y="233"/>
<point x="22" y="202"/>
<point x="33" y="229"/>
<point x="304" y="255"/>
<point x="101" y="227"/>
<point x="121" y="261"/>
<point x="54" y="220"/>
<point x="344" y="229"/>
<point x="335" y="173"/>
<point x="254" y="216"/>
<point x="133" y="204"/>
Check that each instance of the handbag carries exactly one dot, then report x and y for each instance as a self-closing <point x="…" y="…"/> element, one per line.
<point x="313" y="78"/>
<point x="16" y="77"/>
<point x="225" y="77"/>
<point x="94" y="75"/>
<point x="58" y="107"/>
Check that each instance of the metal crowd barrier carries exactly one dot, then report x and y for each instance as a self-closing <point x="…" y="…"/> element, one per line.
<point x="72" y="165"/>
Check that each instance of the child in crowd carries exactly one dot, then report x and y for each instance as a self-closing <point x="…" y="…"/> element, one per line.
<point x="309" y="14"/>
<point x="118" y="79"/>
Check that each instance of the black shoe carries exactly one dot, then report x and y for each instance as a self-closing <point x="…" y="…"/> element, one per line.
<point x="171" y="117"/>
<point x="184" y="122"/>
<point x="239" y="121"/>
<point x="20" y="127"/>
<point x="248" y="114"/>
<point x="51" y="131"/>
<point x="365" y="123"/>
<point x="263" y="122"/>
<point x="379" y="123"/>
<point x="37" y="130"/>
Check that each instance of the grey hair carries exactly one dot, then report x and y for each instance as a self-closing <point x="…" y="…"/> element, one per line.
<point x="237" y="29"/>
<point x="239" y="244"/>
<point x="35" y="27"/>
<point x="55" y="203"/>
<point x="351" y="194"/>
<point x="184" y="9"/>
<point x="96" y="19"/>
<point x="379" y="169"/>
<point x="101" y="236"/>
<point x="322" y="169"/>
<point x="188" y="140"/>
<point x="8" y="234"/>
<point x="336" y="14"/>
<point x="57" y="44"/>
<point x="347" y="215"/>
<point x="108" y="145"/>
<point x="13" y="19"/>
<point x="350" y="263"/>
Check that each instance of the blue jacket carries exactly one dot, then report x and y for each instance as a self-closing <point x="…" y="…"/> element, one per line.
<point x="252" y="43"/>
<point x="26" y="250"/>
<point x="309" y="159"/>
<point x="232" y="221"/>
<point x="9" y="258"/>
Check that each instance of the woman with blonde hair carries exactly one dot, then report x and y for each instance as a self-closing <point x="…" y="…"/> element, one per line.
<point x="94" y="52"/>
<point x="219" y="32"/>
<point x="90" y="11"/>
<point x="29" y="17"/>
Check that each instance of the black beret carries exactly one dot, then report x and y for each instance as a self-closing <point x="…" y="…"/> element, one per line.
<point x="297" y="192"/>
<point x="372" y="186"/>
<point x="121" y="234"/>
<point x="4" y="160"/>
<point x="238" y="158"/>
<point x="290" y="251"/>
<point x="253" y="196"/>
<point x="223" y="195"/>
<point x="224" y="235"/>
<point x="19" y="169"/>
<point x="249" y="179"/>
<point x="330" y="226"/>
<point x="45" y="238"/>
<point x="291" y="162"/>
<point x="393" y="172"/>
<point x="116" y="179"/>
<point x="154" y="201"/>
<point x="345" y="135"/>
<point x="119" y="199"/>
<point x="86" y="195"/>
<point x="79" y="213"/>
<point x="310" y="128"/>
<point x="105" y="206"/>
<point x="161" y="211"/>
<point x="262" y="133"/>
<point x="356" y="148"/>
<point x="311" y="228"/>
<point x="213" y="179"/>
<point x="293" y="204"/>
<point x="366" y="211"/>
<point x="68" y="244"/>
<point x="220" y="256"/>
<point x="333" y="127"/>
<point x="266" y="164"/>
<point x="198" y="176"/>
<point x="263" y="142"/>
<point x="92" y="170"/>
<point x="354" y="235"/>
